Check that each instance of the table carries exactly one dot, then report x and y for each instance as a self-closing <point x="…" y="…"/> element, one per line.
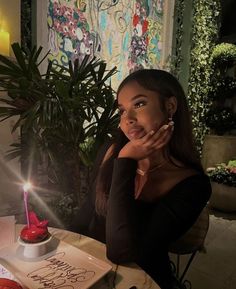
<point x="120" y="277"/>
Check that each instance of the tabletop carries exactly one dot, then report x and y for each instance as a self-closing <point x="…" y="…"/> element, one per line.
<point x="120" y="277"/>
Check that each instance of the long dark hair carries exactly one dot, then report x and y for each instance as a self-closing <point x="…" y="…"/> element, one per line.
<point x="181" y="145"/>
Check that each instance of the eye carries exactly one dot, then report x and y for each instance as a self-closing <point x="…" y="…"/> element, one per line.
<point x="140" y="103"/>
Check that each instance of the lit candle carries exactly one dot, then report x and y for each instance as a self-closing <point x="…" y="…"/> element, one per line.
<point x="4" y="43"/>
<point x="26" y="187"/>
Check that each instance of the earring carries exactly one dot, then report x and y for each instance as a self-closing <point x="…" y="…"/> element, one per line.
<point x="170" y="120"/>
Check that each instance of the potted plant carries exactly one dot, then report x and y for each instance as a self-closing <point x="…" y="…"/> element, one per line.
<point x="223" y="56"/>
<point x="64" y="116"/>
<point x="221" y="118"/>
<point x="223" y="180"/>
<point x="220" y="144"/>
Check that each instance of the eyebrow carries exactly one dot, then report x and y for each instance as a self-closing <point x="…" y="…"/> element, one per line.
<point x="134" y="97"/>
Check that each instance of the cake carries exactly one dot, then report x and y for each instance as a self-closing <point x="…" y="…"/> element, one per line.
<point x="9" y="284"/>
<point x="36" y="232"/>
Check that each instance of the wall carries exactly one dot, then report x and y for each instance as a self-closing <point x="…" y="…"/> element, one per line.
<point x="10" y="19"/>
<point x="9" y="171"/>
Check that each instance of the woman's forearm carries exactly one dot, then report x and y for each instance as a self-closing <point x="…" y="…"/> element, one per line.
<point x="120" y="221"/>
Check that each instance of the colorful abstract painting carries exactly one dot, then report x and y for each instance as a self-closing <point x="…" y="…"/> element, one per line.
<point x="125" y="33"/>
<point x="146" y="42"/>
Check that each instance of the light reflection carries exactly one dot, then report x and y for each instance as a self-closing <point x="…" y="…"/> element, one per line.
<point x="27" y="186"/>
<point x="44" y="205"/>
<point x="17" y="180"/>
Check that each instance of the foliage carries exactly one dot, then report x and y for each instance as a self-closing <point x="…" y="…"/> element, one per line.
<point x="206" y="16"/>
<point x="176" y="57"/>
<point x="223" y="53"/>
<point x="224" y="173"/>
<point x="26" y="34"/>
<point x="64" y="115"/>
<point x="221" y="119"/>
<point x="223" y="87"/>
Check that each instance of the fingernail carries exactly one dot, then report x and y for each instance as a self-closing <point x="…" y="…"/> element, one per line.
<point x="152" y="132"/>
<point x="171" y="123"/>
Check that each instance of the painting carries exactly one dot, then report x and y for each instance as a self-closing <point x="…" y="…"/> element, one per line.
<point x="127" y="34"/>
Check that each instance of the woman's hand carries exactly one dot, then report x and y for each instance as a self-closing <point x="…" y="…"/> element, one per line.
<point x="143" y="147"/>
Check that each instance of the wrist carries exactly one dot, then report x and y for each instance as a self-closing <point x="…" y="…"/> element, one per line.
<point x="130" y="153"/>
<point x="123" y="156"/>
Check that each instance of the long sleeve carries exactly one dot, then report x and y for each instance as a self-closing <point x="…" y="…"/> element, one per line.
<point x="141" y="232"/>
<point x="121" y="211"/>
<point x="136" y="230"/>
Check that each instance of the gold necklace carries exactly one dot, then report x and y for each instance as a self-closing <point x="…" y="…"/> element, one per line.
<point x="153" y="169"/>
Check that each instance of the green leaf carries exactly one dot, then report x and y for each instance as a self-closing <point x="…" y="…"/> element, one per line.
<point x="9" y="63"/>
<point x="20" y="57"/>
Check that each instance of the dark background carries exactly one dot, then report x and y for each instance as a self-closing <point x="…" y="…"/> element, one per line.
<point x="228" y="21"/>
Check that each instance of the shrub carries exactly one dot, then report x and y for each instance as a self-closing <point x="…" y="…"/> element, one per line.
<point x="223" y="173"/>
<point x="224" y="53"/>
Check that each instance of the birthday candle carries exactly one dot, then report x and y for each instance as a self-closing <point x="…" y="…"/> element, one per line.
<point x="26" y="187"/>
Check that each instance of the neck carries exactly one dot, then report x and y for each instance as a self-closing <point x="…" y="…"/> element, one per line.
<point x="151" y="163"/>
<point x="153" y="160"/>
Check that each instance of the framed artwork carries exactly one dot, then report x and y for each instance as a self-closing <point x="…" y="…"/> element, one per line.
<point x="128" y="34"/>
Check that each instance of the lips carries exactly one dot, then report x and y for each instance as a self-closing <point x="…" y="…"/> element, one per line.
<point x="135" y="132"/>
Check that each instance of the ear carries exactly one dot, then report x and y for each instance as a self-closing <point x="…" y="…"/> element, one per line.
<point x="171" y="105"/>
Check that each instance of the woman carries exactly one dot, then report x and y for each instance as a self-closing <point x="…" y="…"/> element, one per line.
<point x="151" y="187"/>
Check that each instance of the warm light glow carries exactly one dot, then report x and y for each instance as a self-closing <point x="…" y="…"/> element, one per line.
<point x="4" y="43"/>
<point x="26" y="187"/>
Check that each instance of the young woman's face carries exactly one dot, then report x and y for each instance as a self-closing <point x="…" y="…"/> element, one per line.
<point x="140" y="111"/>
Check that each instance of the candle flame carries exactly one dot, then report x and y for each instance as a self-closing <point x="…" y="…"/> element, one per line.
<point x="27" y="186"/>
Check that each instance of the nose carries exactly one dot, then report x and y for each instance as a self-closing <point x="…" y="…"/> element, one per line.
<point x="130" y="116"/>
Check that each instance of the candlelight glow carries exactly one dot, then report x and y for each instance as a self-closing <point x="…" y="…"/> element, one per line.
<point x="4" y="43"/>
<point x="27" y="186"/>
<point x="15" y="177"/>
